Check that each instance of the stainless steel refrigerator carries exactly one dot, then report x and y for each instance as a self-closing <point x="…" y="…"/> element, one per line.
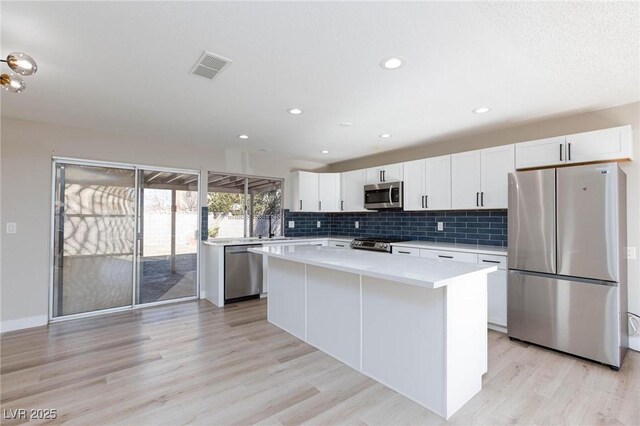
<point x="567" y="286"/>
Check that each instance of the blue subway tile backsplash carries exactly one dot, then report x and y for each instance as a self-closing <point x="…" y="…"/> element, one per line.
<point x="484" y="227"/>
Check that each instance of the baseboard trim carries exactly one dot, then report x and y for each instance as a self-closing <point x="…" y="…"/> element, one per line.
<point x="496" y="327"/>
<point x="22" y="323"/>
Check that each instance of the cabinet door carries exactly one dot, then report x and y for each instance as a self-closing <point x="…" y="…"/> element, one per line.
<point x="328" y="192"/>
<point x="607" y="144"/>
<point x="414" y="192"/>
<point x="352" y="191"/>
<point x="437" y="183"/>
<point x="374" y="175"/>
<point x="497" y="297"/>
<point x="495" y="166"/>
<point x="392" y="173"/>
<point x="306" y="191"/>
<point x="542" y="152"/>
<point x="465" y="180"/>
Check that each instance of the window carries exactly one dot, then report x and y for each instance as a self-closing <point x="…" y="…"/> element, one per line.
<point x="242" y="206"/>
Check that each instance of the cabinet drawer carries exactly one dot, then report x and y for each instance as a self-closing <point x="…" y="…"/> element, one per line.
<point x="449" y="255"/>
<point x="489" y="259"/>
<point x="406" y="251"/>
<point x="339" y="244"/>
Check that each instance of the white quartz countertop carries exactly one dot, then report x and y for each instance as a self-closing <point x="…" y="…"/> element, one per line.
<point x="467" y="248"/>
<point x="276" y="240"/>
<point x="429" y="273"/>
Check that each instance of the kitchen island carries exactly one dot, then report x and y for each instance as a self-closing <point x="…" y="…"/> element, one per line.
<point x="416" y="325"/>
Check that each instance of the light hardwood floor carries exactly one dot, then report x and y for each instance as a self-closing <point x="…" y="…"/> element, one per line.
<point x="194" y="363"/>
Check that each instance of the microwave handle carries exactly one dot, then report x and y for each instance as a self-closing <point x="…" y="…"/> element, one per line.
<point x="390" y="196"/>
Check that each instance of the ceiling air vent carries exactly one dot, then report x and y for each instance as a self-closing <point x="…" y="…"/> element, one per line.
<point x="209" y="65"/>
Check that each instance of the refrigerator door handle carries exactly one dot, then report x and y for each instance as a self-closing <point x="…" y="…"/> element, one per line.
<point x="565" y="278"/>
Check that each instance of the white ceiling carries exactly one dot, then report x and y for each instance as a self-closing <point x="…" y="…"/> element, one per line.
<point x="123" y="67"/>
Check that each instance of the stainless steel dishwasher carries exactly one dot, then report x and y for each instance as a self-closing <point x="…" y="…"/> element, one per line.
<point x="242" y="273"/>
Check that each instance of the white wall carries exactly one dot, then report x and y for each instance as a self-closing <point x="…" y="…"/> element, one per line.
<point x="575" y="123"/>
<point x="25" y="186"/>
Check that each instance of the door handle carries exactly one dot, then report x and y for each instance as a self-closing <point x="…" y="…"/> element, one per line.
<point x="477" y="199"/>
<point x="482" y="199"/>
<point x="561" y="152"/>
<point x="569" y="153"/>
<point x="445" y="257"/>
<point x="300" y="204"/>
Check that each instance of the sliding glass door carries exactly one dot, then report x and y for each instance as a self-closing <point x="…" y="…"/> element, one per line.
<point x="122" y="237"/>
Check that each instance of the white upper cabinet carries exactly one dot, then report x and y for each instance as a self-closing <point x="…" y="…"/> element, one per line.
<point x="465" y="180"/>
<point x="427" y="184"/>
<point x="304" y="191"/>
<point x="495" y="166"/>
<point x="352" y="191"/>
<point x="479" y="178"/>
<point x="329" y="192"/>
<point x="600" y="145"/>
<point x="540" y="153"/>
<point x="389" y="173"/>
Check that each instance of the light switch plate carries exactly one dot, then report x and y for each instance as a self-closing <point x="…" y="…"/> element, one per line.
<point x="631" y="253"/>
<point x="292" y="224"/>
<point x="319" y="224"/>
<point x="357" y="224"/>
<point x="440" y="226"/>
<point x="12" y="227"/>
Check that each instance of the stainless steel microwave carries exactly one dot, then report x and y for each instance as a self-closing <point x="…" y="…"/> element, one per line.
<point x="386" y="195"/>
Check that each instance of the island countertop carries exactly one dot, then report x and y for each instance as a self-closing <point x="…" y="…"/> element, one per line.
<point x="421" y="272"/>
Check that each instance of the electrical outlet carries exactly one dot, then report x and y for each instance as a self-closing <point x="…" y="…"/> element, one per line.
<point x="631" y="253"/>
<point x="12" y="227"/>
<point x="357" y="224"/>
<point x="440" y="226"/>
<point x="292" y="224"/>
<point x="319" y="224"/>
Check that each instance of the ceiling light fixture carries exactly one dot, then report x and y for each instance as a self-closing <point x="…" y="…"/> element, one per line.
<point x="294" y="111"/>
<point x="325" y="151"/>
<point x="391" y="63"/>
<point x="481" y="110"/>
<point x="345" y="124"/>
<point x="385" y="135"/>
<point x="243" y="136"/>
<point x="22" y="64"/>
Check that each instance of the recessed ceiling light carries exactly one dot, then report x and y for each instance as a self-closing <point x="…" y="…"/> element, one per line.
<point x="294" y="111"/>
<point x="385" y="135"/>
<point x="391" y="63"/>
<point x="345" y="124"/>
<point x="325" y="151"/>
<point x="482" y="110"/>
<point x="243" y="136"/>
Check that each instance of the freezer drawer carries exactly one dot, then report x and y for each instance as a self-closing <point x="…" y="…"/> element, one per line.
<point x="575" y="317"/>
<point x="532" y="221"/>
<point x="588" y="222"/>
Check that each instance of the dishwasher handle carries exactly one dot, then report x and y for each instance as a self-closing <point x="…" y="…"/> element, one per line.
<point x="240" y="248"/>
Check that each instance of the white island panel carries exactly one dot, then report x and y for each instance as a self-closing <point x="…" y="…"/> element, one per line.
<point x="333" y="313"/>
<point x="287" y="296"/>
<point x="403" y="343"/>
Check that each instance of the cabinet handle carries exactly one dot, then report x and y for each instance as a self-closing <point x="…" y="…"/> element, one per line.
<point x="482" y="199"/>
<point x="384" y="175"/>
<point x="445" y="257"/>
<point x="561" y="152"/>
<point x="422" y="201"/>
<point x="426" y="201"/>
<point x="477" y="199"/>
<point x="404" y="252"/>
<point x="490" y="261"/>
<point x="569" y="153"/>
<point x="319" y="205"/>
<point x="380" y="173"/>
<point x="342" y="205"/>
<point x="300" y="204"/>
<point x="339" y="245"/>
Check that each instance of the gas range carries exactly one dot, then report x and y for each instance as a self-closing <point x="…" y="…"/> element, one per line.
<point x="382" y="244"/>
